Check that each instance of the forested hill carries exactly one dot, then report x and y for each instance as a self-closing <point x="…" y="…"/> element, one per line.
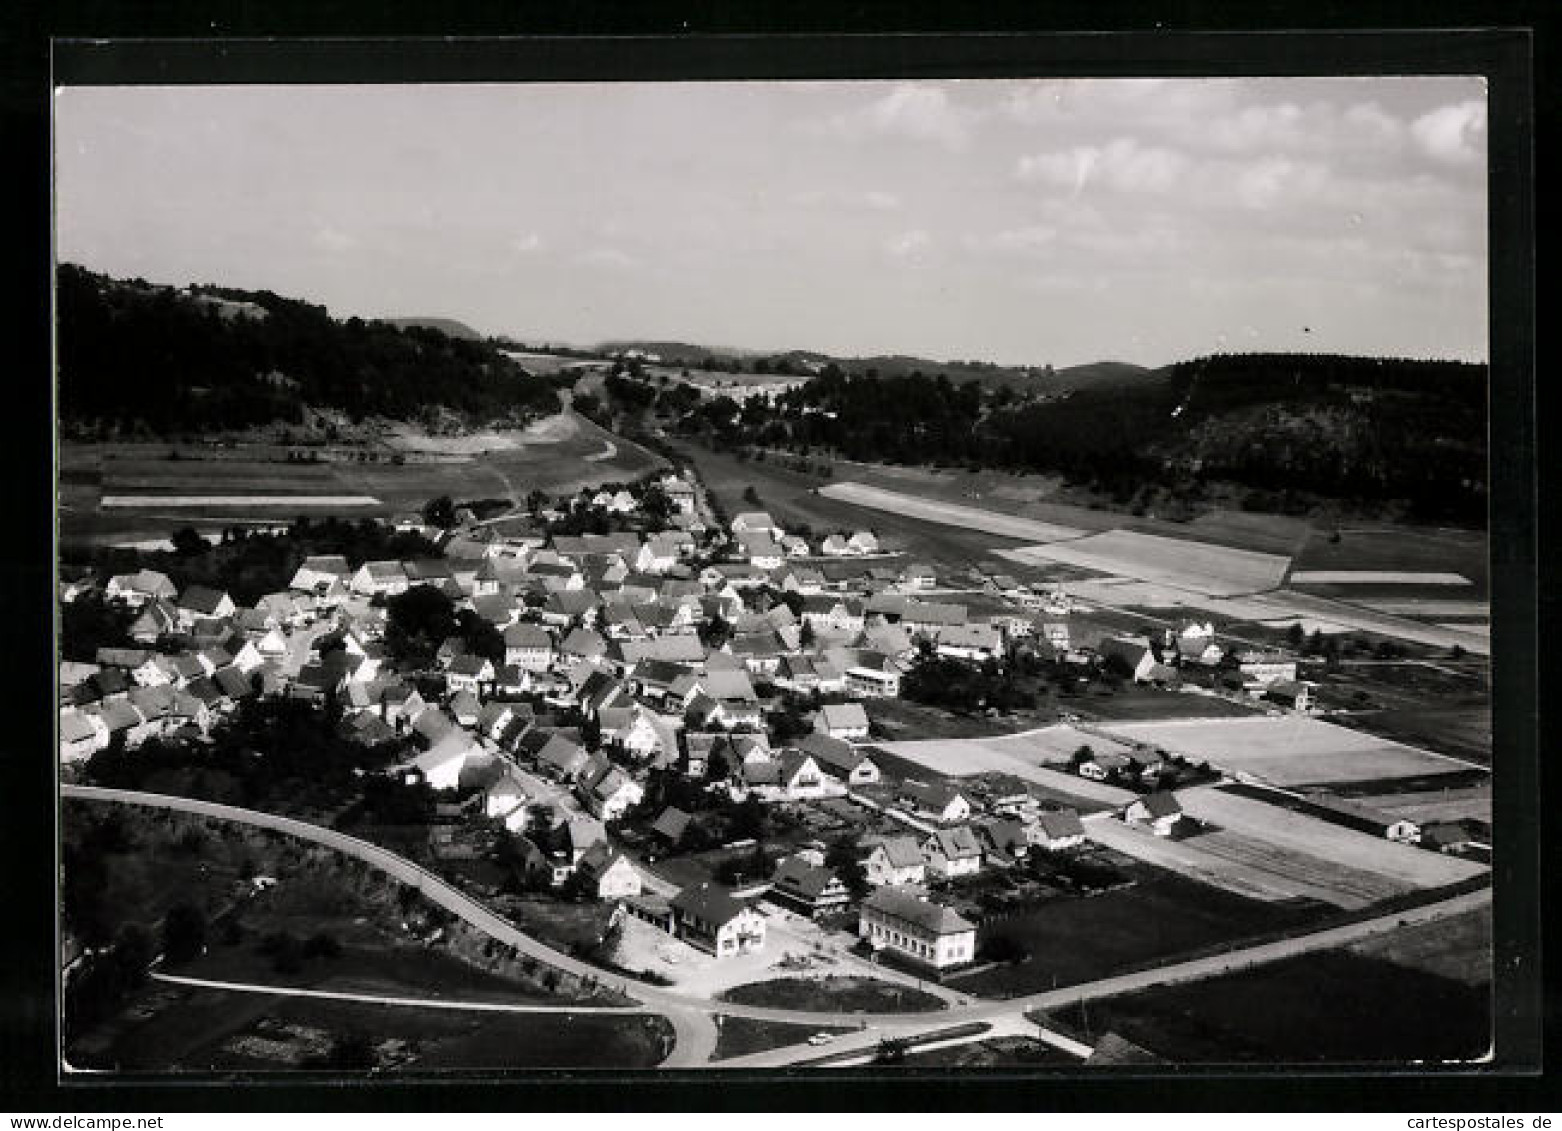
<point x="212" y="357"/>
<point x="1289" y="430"/>
<point x="449" y="327"/>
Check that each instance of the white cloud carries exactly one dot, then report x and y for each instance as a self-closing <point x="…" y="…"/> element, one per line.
<point x="908" y="243"/>
<point x="1123" y="165"/>
<point x="883" y="201"/>
<point x="530" y="242"/>
<point x="1269" y="181"/>
<point x="1454" y="134"/>
<point x="917" y="112"/>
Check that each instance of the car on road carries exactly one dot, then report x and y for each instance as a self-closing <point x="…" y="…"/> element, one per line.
<point x="821" y="1038"/>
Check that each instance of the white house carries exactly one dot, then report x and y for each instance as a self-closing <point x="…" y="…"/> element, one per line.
<point x="1160" y="812"/>
<point x="894" y="861"/>
<point x="951" y="853"/>
<point x="709" y="917"/>
<point x="842" y="720"/>
<point x="609" y="873"/>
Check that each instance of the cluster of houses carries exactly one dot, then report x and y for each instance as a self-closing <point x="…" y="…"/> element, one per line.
<point x="616" y="634"/>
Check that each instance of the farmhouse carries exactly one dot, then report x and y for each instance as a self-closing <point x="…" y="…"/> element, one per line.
<point x="1261" y="669"/>
<point x="1159" y="811"/>
<point x="913" y="928"/>
<point x="1131" y="655"/>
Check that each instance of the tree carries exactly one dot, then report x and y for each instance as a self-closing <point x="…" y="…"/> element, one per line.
<point x="184" y="933"/>
<point x="188" y="543"/>
<point x="751" y="496"/>
<point x="440" y="512"/>
<point x="844" y="858"/>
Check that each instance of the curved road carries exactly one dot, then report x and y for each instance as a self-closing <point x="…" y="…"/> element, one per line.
<point x="691" y="1016"/>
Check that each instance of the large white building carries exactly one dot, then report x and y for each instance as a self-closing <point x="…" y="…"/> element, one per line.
<point x="924" y="932"/>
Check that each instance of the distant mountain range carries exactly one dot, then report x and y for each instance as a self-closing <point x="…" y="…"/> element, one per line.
<point x="1097" y="374"/>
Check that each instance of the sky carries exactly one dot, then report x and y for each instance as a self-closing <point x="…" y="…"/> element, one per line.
<point x="1022" y="222"/>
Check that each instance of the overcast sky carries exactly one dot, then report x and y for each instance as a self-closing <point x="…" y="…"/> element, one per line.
<point x="1029" y="221"/>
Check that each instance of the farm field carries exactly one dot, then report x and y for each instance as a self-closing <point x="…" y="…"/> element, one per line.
<point x="1400" y="865"/>
<point x="1438" y="805"/>
<point x="1398" y="548"/>
<point x="953" y="514"/>
<point x="1459" y="948"/>
<point x="1374" y="577"/>
<point x="1246" y="866"/>
<point x="212" y="493"/>
<point x="1021" y="756"/>
<point x="1199" y="567"/>
<point x="1286" y="750"/>
<point x="1163" y="915"/>
<point x="995" y="1052"/>
<point x="1463" y="731"/>
<point x="1429" y="607"/>
<point x="199" y="1030"/>
<point x="1039" y="497"/>
<point x="788" y="496"/>
<point x="1335" y="1007"/>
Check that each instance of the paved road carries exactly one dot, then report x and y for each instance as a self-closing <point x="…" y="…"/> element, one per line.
<point x="679" y="1007"/>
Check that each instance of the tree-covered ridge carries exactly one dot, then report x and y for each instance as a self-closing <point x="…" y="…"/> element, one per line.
<point x="172" y="360"/>
<point x="1371" y="430"/>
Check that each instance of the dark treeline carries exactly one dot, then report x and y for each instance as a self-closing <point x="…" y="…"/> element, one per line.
<point x="1283" y="427"/>
<point x="129" y="353"/>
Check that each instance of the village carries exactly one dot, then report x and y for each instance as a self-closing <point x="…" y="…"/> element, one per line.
<point x="680" y="765"/>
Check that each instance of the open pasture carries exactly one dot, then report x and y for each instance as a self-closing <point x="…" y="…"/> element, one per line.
<point x="1286" y="750"/>
<point x="952" y="514"/>
<point x="1200" y="567"/>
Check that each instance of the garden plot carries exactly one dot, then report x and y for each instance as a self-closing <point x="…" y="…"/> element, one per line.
<point x="949" y="514"/>
<point x="1018" y="755"/>
<point x="1287" y="750"/>
<point x="1398" y="866"/>
<point x="1200" y="567"/>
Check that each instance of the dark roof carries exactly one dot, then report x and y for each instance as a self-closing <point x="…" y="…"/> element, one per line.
<point x="1160" y="804"/>
<point x="929" y="916"/>
<point x="708" y="903"/>
<point x="672" y="824"/>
